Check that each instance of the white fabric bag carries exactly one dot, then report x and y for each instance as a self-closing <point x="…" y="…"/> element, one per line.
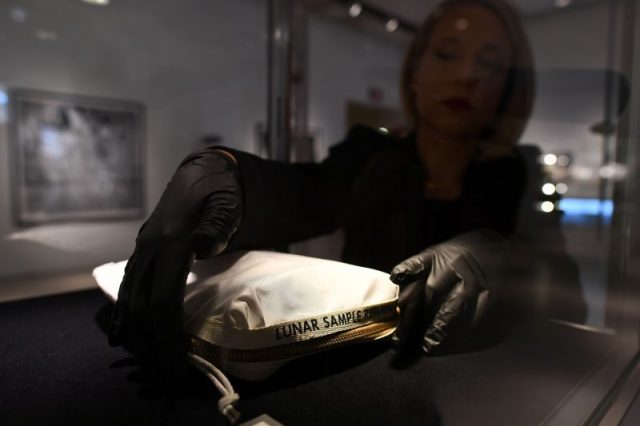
<point x="250" y="312"/>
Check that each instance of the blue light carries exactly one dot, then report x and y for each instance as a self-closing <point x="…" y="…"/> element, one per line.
<point x="586" y="206"/>
<point x="4" y="98"/>
<point x="585" y="210"/>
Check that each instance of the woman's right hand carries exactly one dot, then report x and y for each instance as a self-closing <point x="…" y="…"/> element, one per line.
<point x="197" y="215"/>
<point x="449" y="287"/>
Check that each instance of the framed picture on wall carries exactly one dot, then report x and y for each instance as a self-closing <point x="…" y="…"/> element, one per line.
<point x="75" y="157"/>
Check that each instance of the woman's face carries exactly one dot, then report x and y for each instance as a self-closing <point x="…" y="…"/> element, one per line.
<point x="462" y="74"/>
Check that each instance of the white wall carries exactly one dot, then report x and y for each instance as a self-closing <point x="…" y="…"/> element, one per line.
<point x="200" y="68"/>
<point x="575" y="40"/>
<point x="343" y="64"/>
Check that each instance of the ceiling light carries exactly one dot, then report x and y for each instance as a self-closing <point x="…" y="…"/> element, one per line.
<point x="355" y="10"/>
<point x="45" y="35"/>
<point x="582" y="173"/>
<point x="97" y="2"/>
<point x="613" y="171"/>
<point x="462" y="24"/>
<point x="550" y="159"/>
<point x="548" y="189"/>
<point x="563" y="160"/>
<point x="562" y="3"/>
<point x="18" y="15"/>
<point x="561" y="188"/>
<point x="392" y="25"/>
<point x="547" y="206"/>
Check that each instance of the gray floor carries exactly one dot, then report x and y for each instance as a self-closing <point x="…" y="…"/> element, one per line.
<point x="632" y="416"/>
<point x="590" y="248"/>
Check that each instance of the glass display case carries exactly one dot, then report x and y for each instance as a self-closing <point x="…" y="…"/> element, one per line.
<point x="99" y="101"/>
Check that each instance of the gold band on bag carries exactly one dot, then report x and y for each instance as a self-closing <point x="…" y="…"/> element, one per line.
<point x="214" y="332"/>
<point x="215" y="353"/>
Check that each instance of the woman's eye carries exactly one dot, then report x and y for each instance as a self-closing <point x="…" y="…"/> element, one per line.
<point x="444" y="55"/>
<point x="492" y="61"/>
<point x="491" y="64"/>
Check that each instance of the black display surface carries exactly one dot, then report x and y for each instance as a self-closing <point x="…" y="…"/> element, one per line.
<point x="57" y="368"/>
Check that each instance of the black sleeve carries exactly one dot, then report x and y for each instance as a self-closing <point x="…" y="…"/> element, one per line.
<point x="285" y="203"/>
<point x="497" y="192"/>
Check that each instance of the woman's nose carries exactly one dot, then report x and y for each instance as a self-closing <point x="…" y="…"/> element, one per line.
<point x="467" y="72"/>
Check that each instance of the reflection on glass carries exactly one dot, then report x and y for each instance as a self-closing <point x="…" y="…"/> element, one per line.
<point x="546" y="158"/>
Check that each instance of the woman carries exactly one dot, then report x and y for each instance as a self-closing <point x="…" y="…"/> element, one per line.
<point x="452" y="187"/>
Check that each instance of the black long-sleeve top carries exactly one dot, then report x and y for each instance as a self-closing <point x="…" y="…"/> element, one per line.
<point x="371" y="186"/>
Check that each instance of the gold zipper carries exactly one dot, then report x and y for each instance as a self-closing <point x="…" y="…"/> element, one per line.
<point x="215" y="353"/>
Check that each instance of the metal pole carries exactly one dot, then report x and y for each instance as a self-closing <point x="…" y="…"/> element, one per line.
<point x="279" y="47"/>
<point x="622" y="290"/>
<point x="287" y="134"/>
<point x="302" y="143"/>
<point x="610" y="117"/>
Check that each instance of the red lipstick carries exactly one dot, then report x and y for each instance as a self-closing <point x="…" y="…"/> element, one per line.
<point x="458" y="104"/>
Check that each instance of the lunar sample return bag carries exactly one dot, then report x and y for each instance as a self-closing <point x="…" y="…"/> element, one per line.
<point x="248" y="313"/>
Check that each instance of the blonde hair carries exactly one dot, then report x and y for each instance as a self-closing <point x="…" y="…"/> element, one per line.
<point x="500" y="136"/>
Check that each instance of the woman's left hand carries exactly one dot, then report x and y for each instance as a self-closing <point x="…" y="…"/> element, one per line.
<point x="448" y="287"/>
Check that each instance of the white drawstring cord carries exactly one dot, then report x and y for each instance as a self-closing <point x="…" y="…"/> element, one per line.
<point x="217" y="377"/>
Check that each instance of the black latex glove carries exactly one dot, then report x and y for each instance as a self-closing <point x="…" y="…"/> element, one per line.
<point x="197" y="215"/>
<point x="448" y="287"/>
